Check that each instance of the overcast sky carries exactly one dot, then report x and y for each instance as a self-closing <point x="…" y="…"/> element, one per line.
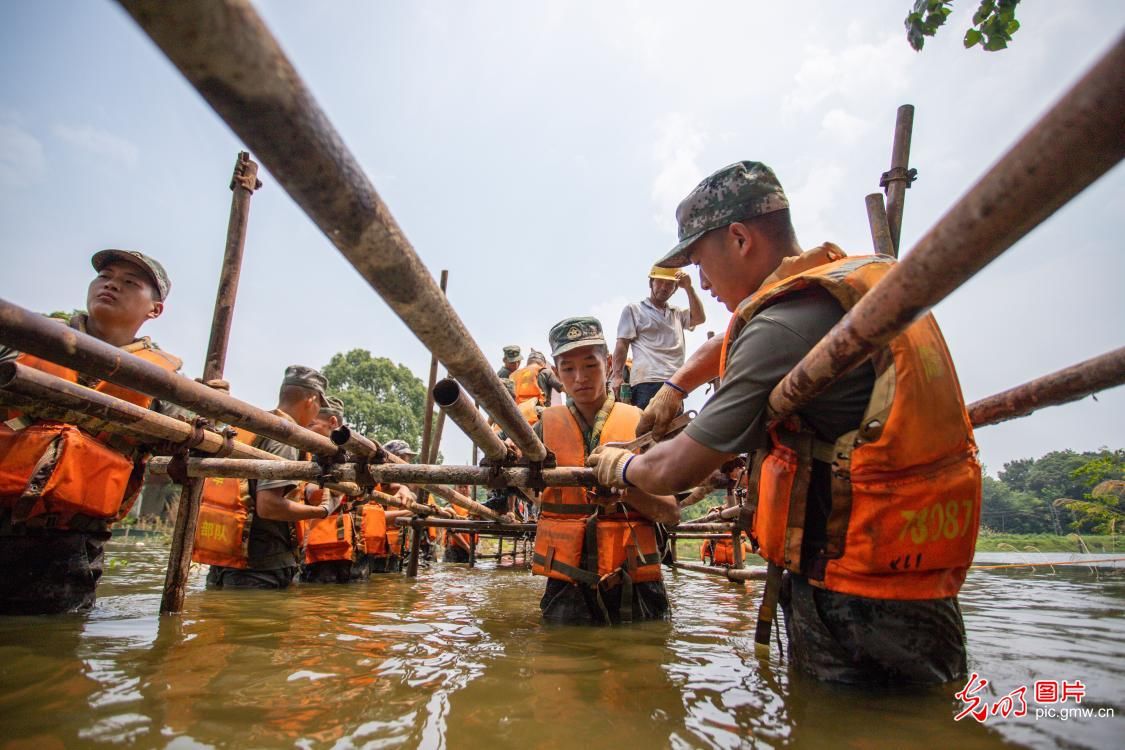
<point x="537" y="150"/>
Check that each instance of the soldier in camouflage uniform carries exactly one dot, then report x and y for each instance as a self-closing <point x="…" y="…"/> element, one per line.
<point x="329" y="418"/>
<point x="735" y="226"/>
<point x="273" y="558"/>
<point x="512" y="359"/>
<point x="48" y="570"/>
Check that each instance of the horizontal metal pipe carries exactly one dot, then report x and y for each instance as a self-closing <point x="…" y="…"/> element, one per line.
<point x="1069" y="384"/>
<point x="225" y="51"/>
<point x="1071" y="146"/>
<point x="418" y="508"/>
<point x="453" y="400"/>
<point x="396" y="473"/>
<point x="700" y="493"/>
<point x="696" y="535"/>
<point x="368" y="448"/>
<point x="44" y="337"/>
<point x="50" y="397"/>
<point x="707" y="527"/>
<point x="738" y="575"/>
<point x="470" y="527"/>
<point x="724" y="514"/>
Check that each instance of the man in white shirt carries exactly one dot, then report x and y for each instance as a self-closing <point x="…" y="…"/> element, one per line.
<point x="655" y="331"/>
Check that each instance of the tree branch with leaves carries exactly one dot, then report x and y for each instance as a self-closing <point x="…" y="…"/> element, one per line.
<point x="994" y="23"/>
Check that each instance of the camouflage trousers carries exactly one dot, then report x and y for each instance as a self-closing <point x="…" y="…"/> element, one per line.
<point x="571" y="604"/>
<point x="856" y="640"/>
<point x="219" y="577"/>
<point x="50" y="572"/>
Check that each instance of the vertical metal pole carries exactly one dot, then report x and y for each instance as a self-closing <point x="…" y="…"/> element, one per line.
<point x="243" y="183"/>
<point x="880" y="231"/>
<point x="898" y="179"/>
<point x="415" y="546"/>
<point x="472" y="550"/>
<point x="736" y="540"/>
<point x="435" y="443"/>
<point x="428" y="415"/>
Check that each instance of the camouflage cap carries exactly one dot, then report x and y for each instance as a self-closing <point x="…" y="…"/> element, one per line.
<point x="573" y="333"/>
<point x="399" y="448"/>
<point x="512" y="353"/>
<point x="306" y="377"/>
<point x="737" y="192"/>
<point x="536" y="356"/>
<point x="334" y="408"/>
<point x="154" y="270"/>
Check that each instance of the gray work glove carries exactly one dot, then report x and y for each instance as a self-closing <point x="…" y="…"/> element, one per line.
<point x="330" y="501"/>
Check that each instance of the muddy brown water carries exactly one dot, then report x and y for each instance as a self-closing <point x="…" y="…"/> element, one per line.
<point x="458" y="658"/>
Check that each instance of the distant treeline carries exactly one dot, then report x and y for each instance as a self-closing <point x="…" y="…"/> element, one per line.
<point x="1025" y="498"/>
<point x="1060" y="493"/>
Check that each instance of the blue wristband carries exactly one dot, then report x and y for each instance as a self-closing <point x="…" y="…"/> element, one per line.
<point x="670" y="384"/>
<point x="625" y="470"/>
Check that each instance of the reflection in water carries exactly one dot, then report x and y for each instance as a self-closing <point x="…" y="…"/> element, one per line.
<point x="458" y="658"/>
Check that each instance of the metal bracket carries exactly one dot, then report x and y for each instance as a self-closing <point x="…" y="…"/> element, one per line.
<point x="177" y="467"/>
<point x="898" y="174"/>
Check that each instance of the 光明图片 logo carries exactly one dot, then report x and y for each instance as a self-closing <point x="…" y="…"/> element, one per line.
<point x="1049" y="694"/>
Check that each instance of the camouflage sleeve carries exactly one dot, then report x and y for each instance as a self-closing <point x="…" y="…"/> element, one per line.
<point x="285" y="452"/>
<point x="548" y="381"/>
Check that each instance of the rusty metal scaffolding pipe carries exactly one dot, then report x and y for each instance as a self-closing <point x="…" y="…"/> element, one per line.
<point x="738" y="575"/>
<point x="718" y="528"/>
<point x="243" y="183"/>
<point x="453" y="400"/>
<point x="367" y="448"/>
<point x="473" y="527"/>
<point x="897" y="179"/>
<point x="47" y="394"/>
<point x="430" y="476"/>
<point x="1077" y="141"/>
<point x="877" y="220"/>
<point x="726" y="514"/>
<point x="1070" y="384"/>
<point x="34" y="334"/>
<point x="417" y="508"/>
<point x="225" y="51"/>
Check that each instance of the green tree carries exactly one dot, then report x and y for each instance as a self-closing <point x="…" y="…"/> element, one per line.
<point x="993" y="23"/>
<point x="1102" y="508"/>
<point x="64" y="315"/>
<point x="382" y="400"/>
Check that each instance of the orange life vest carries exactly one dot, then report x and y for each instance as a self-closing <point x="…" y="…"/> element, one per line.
<point x="721" y="551"/>
<point x="226" y="510"/>
<point x="576" y="539"/>
<point x="222" y="536"/>
<point x="459" y="539"/>
<point x="526" y="381"/>
<point x="906" y="483"/>
<point x="373" y="529"/>
<point x="79" y="478"/>
<point x="528" y="411"/>
<point x="326" y="539"/>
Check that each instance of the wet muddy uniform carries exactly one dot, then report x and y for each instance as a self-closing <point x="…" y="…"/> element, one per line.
<point x="272" y="560"/>
<point x="832" y="636"/>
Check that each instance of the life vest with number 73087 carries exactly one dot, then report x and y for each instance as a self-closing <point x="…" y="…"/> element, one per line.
<point x="906" y="483"/>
